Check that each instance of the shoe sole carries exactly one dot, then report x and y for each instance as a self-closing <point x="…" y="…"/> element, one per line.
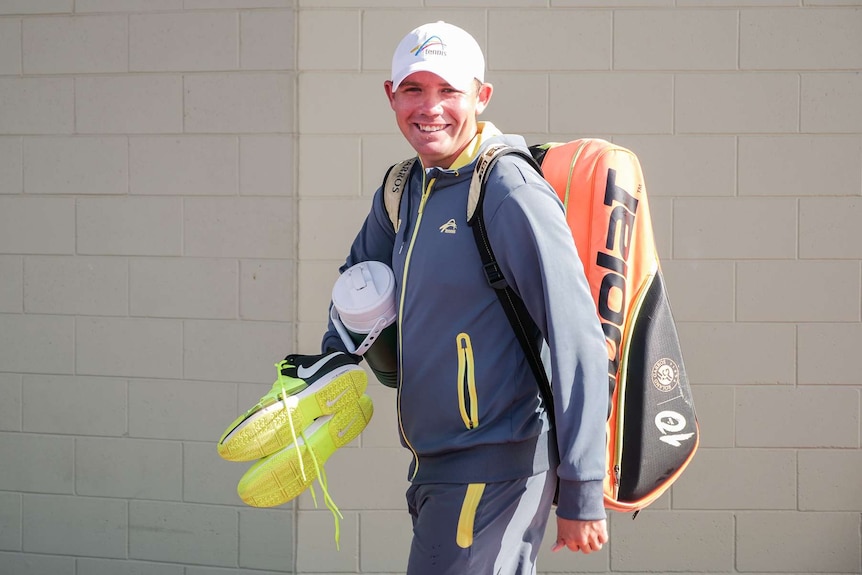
<point x="278" y="479"/>
<point x="264" y="431"/>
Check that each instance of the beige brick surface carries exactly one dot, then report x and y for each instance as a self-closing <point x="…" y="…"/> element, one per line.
<point x="820" y="39"/>
<point x="253" y="102"/>
<point x="762" y="228"/>
<point x="519" y="103"/>
<point x="833" y="542"/>
<point x="715" y="414"/>
<point x="10" y="402"/>
<point x="315" y="282"/>
<point x="36" y="463"/>
<point x="233" y="351"/>
<point x="36" y="7"/>
<point x="389" y="530"/>
<point x="84" y="165"/>
<point x="315" y="550"/>
<point x="794" y="291"/>
<point x="128" y="347"/>
<point x="378" y="153"/>
<point x="202" y="534"/>
<point x="830" y="102"/>
<point x="828" y="228"/>
<point x="707" y="538"/>
<point x="164" y="409"/>
<point x="65" y="525"/>
<point x="84" y="6"/>
<point x="74" y="405"/>
<point x="683" y="166"/>
<point x="10" y="517"/>
<point x="824" y="350"/>
<point x="317" y="157"/>
<point x="221" y="4"/>
<point x="736" y="103"/>
<point x="131" y="104"/>
<point x="797" y="417"/>
<point x="37" y="225"/>
<point x="179" y="42"/>
<point x="184" y="166"/>
<point x="124" y="226"/>
<point x="675" y="40"/>
<point x="11" y="165"/>
<point x="181" y="179"/>
<point x="269" y="541"/>
<point x="183" y="288"/>
<point x="82" y="285"/>
<point x="825" y="473"/>
<point x="37" y="105"/>
<point x="570" y="40"/>
<point x="622" y="102"/>
<point x="266" y="165"/>
<point x="781" y="166"/>
<point x="739" y="353"/>
<point x="737" y="479"/>
<point x="267" y="290"/>
<point x="128" y="468"/>
<point x="28" y="564"/>
<point x="330" y="241"/>
<point x="321" y="110"/>
<point x="78" y="44"/>
<point x="10" y="47"/>
<point x="37" y="344"/>
<point x="11" y="284"/>
<point x="267" y="40"/>
<point x="90" y="566"/>
<point x="206" y="477"/>
<point x="699" y="290"/>
<point x="239" y="227"/>
<point x="314" y="39"/>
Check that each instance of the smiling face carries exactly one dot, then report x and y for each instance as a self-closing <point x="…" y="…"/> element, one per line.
<point x="436" y="119"/>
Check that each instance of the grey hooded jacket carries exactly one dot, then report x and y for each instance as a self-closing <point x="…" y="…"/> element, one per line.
<point x="468" y="405"/>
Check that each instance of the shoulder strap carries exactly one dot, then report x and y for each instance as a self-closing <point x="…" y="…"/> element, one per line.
<point x="394" y="183"/>
<point x="514" y="307"/>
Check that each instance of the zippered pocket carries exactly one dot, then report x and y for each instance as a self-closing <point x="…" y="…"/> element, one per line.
<point x="468" y="402"/>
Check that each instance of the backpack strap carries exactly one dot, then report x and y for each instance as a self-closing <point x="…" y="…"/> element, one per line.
<point x="516" y="311"/>
<point x="394" y="183"/>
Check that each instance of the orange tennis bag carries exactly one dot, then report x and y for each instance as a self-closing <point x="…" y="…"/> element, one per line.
<point x="653" y="431"/>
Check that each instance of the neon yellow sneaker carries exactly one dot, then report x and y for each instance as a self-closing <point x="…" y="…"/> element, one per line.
<point x="307" y="387"/>
<point x="281" y="477"/>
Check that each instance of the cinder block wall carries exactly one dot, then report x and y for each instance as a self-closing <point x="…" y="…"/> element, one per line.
<point x="179" y="181"/>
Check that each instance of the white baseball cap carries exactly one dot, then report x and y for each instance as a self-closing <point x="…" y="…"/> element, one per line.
<point x="442" y="49"/>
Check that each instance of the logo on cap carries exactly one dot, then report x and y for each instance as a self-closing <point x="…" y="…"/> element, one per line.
<point x="433" y="46"/>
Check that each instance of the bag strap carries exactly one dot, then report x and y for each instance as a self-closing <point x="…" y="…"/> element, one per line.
<point x="394" y="183"/>
<point x="516" y="311"/>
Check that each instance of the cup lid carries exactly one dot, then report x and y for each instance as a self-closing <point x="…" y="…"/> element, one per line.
<point x="364" y="294"/>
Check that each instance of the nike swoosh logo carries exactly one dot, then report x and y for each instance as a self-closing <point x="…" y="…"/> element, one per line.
<point x="337" y="398"/>
<point x="304" y="372"/>
<point x="343" y="431"/>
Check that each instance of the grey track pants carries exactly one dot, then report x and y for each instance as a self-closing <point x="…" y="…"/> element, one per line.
<point x="480" y="528"/>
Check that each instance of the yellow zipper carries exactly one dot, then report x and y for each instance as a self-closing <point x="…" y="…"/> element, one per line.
<point x="425" y="195"/>
<point x="467" y="382"/>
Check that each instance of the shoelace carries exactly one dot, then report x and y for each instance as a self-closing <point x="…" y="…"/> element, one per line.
<point x="321" y="474"/>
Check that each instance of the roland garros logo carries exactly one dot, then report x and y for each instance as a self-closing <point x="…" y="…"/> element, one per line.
<point x="433" y="46"/>
<point x="665" y="374"/>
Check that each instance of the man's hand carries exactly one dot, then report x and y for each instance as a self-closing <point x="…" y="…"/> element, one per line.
<point x="583" y="536"/>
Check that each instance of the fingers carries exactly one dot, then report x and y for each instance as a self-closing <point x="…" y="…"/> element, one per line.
<point x="575" y="547"/>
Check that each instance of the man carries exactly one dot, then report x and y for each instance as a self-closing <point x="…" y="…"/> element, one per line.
<point x="485" y="463"/>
